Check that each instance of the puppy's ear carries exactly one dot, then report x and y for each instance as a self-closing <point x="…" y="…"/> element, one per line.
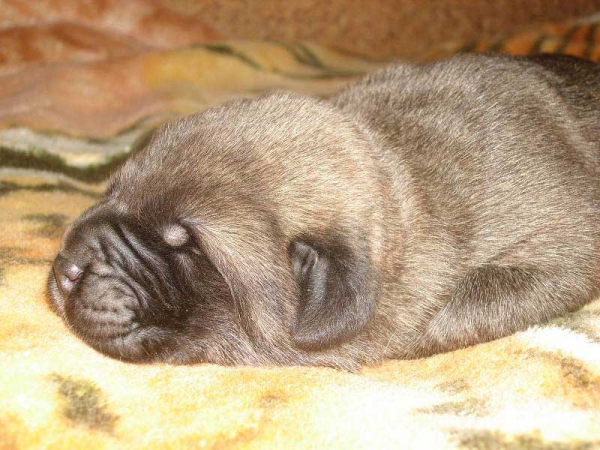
<point x="337" y="294"/>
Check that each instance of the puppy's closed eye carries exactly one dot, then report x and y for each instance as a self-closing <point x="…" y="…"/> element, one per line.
<point x="175" y="235"/>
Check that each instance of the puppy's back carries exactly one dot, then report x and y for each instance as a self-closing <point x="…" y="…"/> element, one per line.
<point x="504" y="148"/>
<point x="476" y="87"/>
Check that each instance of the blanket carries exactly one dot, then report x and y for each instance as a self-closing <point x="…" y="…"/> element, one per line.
<point x="70" y="114"/>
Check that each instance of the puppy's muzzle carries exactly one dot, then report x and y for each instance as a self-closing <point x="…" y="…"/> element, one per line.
<point x="109" y="313"/>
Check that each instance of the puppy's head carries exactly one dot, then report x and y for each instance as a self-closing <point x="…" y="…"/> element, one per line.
<point x="246" y="234"/>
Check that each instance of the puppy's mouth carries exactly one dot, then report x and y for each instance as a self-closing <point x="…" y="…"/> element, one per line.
<point x="110" y="321"/>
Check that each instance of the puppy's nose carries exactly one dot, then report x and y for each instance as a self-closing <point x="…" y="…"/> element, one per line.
<point x="67" y="274"/>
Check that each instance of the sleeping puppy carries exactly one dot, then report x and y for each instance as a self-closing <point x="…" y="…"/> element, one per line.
<point x="423" y="209"/>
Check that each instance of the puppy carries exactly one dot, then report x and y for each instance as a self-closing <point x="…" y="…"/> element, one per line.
<point x="423" y="209"/>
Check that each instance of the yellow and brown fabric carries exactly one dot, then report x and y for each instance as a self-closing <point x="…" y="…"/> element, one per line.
<point x="79" y="89"/>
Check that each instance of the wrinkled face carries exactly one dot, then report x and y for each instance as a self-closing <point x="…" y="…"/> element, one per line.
<point x="144" y="292"/>
<point x="147" y="291"/>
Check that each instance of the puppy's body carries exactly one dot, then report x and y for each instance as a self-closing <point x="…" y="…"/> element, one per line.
<point x="423" y="209"/>
<point x="505" y="183"/>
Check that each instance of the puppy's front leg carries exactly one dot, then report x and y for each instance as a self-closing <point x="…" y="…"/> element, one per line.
<point x="492" y="301"/>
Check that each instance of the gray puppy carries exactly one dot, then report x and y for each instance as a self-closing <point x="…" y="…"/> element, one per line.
<point x="423" y="209"/>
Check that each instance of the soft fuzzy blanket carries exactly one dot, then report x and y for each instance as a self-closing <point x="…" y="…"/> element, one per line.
<point x="66" y="125"/>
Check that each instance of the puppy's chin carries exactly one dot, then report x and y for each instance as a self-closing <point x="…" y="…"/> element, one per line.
<point x="143" y="345"/>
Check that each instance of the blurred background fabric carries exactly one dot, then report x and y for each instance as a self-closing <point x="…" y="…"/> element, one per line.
<point x="83" y="83"/>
